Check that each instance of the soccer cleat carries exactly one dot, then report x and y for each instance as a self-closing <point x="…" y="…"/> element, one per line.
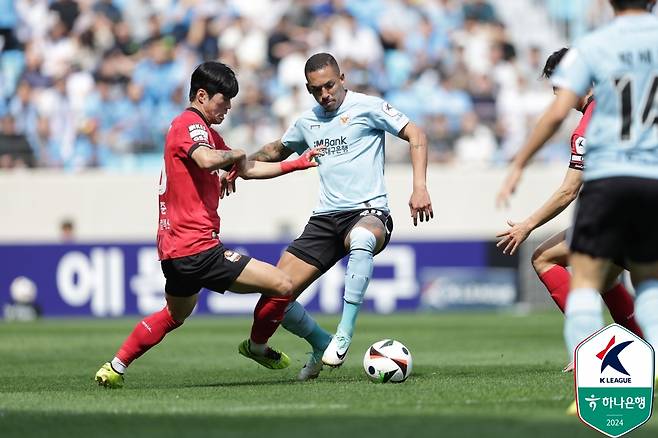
<point x="109" y="378"/>
<point x="273" y="359"/>
<point x="572" y="409"/>
<point x="312" y="367"/>
<point x="334" y="354"/>
<point x="569" y="368"/>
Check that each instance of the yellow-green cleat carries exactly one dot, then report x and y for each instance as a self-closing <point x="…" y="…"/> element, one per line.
<point x="273" y="359"/>
<point x="572" y="409"/>
<point x="109" y="378"/>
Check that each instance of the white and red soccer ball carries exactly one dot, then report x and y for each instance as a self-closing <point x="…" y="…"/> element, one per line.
<point x="387" y="361"/>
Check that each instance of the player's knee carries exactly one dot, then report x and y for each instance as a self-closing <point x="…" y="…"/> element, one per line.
<point x="539" y="260"/>
<point x="362" y="239"/>
<point x="180" y="315"/>
<point x="283" y="287"/>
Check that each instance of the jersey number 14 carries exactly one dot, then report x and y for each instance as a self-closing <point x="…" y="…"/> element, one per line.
<point x="649" y="114"/>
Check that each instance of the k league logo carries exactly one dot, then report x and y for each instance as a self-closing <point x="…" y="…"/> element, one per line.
<point x="614" y="380"/>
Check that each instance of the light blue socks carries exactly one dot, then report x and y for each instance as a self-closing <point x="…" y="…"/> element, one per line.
<point x="583" y="316"/>
<point x="646" y="311"/>
<point x="297" y="321"/>
<point x="357" y="277"/>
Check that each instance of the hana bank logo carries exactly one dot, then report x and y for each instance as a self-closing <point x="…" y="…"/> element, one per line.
<point x="609" y="358"/>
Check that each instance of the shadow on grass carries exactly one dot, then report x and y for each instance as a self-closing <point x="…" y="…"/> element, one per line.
<point x="31" y="424"/>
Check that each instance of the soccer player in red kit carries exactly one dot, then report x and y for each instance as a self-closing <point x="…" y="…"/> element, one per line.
<point x="191" y="253"/>
<point x="550" y="259"/>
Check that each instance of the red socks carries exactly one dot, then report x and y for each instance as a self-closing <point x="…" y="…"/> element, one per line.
<point x="618" y="299"/>
<point x="146" y="334"/>
<point x="268" y="315"/>
<point x="622" y="308"/>
<point x="557" y="281"/>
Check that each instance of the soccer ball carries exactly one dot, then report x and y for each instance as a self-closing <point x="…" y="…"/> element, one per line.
<point x="387" y="361"/>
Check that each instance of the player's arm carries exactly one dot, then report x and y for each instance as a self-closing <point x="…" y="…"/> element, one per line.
<point x="559" y="200"/>
<point x="271" y="152"/>
<point x="420" y="203"/>
<point x="212" y="159"/>
<point x="250" y="169"/>
<point x="549" y="123"/>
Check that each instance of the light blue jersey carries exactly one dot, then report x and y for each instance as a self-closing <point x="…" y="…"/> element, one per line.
<point x="621" y="60"/>
<point x="352" y="167"/>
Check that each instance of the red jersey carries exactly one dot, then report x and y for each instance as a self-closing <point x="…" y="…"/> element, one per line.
<point x="189" y="195"/>
<point x="578" y="141"/>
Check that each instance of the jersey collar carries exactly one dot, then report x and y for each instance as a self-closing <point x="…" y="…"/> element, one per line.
<point x="194" y="110"/>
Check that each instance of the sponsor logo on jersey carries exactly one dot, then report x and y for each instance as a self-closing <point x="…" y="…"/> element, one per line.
<point x="332" y="146"/>
<point x="198" y="132"/>
<point x="389" y="110"/>
<point x="326" y="142"/>
<point x="580" y="144"/>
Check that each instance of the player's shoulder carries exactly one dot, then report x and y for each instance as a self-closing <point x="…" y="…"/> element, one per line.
<point x="188" y="117"/>
<point x="601" y="36"/>
<point x="190" y="123"/>
<point x="368" y="100"/>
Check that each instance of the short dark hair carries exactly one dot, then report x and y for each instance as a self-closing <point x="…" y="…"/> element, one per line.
<point x="319" y="61"/>
<point x="214" y="77"/>
<point x="620" y="5"/>
<point x="553" y="61"/>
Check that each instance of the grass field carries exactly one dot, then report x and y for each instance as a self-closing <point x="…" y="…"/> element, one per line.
<point x="475" y="375"/>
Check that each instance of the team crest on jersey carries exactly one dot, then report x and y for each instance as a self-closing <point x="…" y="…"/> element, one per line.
<point x="232" y="256"/>
<point x="580" y="144"/>
<point x="344" y="119"/>
<point x="198" y="132"/>
<point x="389" y="110"/>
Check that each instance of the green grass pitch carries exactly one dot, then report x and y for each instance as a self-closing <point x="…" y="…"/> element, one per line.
<point x="475" y="375"/>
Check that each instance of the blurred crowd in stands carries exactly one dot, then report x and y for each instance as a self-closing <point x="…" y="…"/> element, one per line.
<point x="95" y="83"/>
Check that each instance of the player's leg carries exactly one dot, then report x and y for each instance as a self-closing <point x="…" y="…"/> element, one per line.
<point x="147" y="333"/>
<point x="276" y="288"/>
<point x="642" y="252"/>
<point x="549" y="261"/>
<point x="619" y="301"/>
<point x="304" y="261"/>
<point x="363" y="240"/>
<point x="297" y="320"/>
<point x="270" y="311"/>
<point x="645" y="279"/>
<point x="598" y="238"/>
<point x="583" y="313"/>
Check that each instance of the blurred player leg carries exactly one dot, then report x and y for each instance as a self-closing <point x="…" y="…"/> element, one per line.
<point x="620" y="302"/>
<point x="583" y="313"/>
<point x="550" y="260"/>
<point x="645" y="276"/>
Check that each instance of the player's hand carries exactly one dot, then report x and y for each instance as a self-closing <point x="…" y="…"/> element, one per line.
<point x="227" y="181"/>
<point x="508" y="187"/>
<point x="420" y="206"/>
<point x="307" y="159"/>
<point x="513" y="237"/>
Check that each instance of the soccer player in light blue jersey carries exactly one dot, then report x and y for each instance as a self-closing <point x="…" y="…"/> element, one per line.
<point x="617" y="214"/>
<point x="352" y="217"/>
